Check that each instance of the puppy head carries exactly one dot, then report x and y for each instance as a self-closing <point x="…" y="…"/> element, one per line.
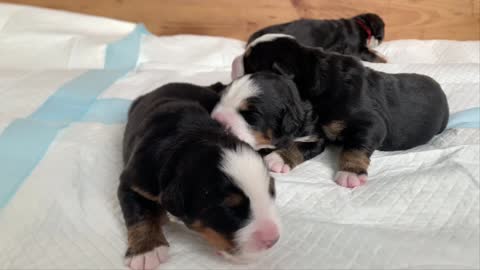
<point x="279" y="53"/>
<point x="375" y="24"/>
<point x="263" y="52"/>
<point x="264" y="109"/>
<point x="225" y="194"/>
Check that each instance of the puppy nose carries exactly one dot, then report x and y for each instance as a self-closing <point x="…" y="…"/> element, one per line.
<point x="269" y="243"/>
<point x="220" y="117"/>
<point x="267" y="236"/>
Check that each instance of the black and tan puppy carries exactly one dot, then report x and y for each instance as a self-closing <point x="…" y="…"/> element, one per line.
<point x="355" y="36"/>
<point x="264" y="109"/>
<point x="180" y="161"/>
<point x="355" y="106"/>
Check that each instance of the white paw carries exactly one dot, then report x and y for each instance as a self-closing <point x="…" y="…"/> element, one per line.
<point x="276" y="163"/>
<point x="149" y="260"/>
<point x="349" y="179"/>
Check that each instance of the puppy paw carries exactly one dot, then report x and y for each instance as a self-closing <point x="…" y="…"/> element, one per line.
<point x="276" y="163"/>
<point x="349" y="179"/>
<point x="380" y="58"/>
<point x="149" y="260"/>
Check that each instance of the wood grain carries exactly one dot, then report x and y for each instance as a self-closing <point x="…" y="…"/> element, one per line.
<point x="405" y="19"/>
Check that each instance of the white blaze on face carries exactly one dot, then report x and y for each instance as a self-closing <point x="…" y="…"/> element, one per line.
<point x="226" y="111"/>
<point x="249" y="173"/>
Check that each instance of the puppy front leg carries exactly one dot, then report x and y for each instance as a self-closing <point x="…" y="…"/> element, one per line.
<point x="373" y="56"/>
<point x="283" y="160"/>
<point x="361" y="138"/>
<point x="144" y="218"/>
<point x="353" y="168"/>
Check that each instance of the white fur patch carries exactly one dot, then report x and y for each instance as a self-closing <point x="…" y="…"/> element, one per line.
<point x="226" y="111"/>
<point x="311" y="138"/>
<point x="250" y="174"/>
<point x="372" y="42"/>
<point x="239" y="91"/>
<point x="267" y="37"/>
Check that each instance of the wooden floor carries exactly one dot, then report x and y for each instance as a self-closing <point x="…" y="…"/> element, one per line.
<point x="419" y="19"/>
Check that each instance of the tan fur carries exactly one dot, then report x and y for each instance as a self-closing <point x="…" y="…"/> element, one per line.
<point x="263" y="138"/>
<point x="146" y="195"/>
<point x="146" y="235"/>
<point x="334" y="129"/>
<point x="355" y="161"/>
<point x="292" y="155"/>
<point x="218" y="241"/>
<point x="243" y="106"/>
<point x="233" y="200"/>
<point x="248" y="51"/>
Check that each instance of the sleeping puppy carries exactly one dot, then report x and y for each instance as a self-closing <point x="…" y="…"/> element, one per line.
<point x="264" y="109"/>
<point x="180" y="161"/>
<point x="355" y="36"/>
<point x="357" y="107"/>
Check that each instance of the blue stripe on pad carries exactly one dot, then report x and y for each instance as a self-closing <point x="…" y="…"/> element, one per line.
<point x="465" y="119"/>
<point x="72" y="100"/>
<point x="108" y="111"/>
<point x="25" y="141"/>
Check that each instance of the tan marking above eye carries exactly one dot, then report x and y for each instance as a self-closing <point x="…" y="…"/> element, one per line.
<point x="244" y="105"/>
<point x="233" y="200"/>
<point x="215" y="239"/>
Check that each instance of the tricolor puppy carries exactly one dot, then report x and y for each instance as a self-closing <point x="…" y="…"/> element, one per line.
<point x="178" y="160"/>
<point x="355" y="106"/>
<point x="264" y="109"/>
<point x="355" y="36"/>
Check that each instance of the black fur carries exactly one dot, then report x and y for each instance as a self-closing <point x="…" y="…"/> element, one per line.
<point x="172" y="150"/>
<point x="380" y="111"/>
<point x="281" y="109"/>
<point x="345" y="36"/>
<point x="279" y="113"/>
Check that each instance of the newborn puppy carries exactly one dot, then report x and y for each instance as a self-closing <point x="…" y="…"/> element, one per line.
<point x="180" y="161"/>
<point x="357" y="107"/>
<point x="264" y="109"/>
<point x="355" y="36"/>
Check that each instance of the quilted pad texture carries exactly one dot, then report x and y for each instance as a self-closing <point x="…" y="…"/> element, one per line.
<point x="419" y="209"/>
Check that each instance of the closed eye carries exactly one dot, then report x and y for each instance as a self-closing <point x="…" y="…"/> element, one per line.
<point x="252" y="117"/>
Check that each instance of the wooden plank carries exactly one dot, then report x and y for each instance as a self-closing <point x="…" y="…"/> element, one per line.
<point x="405" y="19"/>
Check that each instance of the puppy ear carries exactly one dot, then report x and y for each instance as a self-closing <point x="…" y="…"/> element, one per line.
<point x="293" y="118"/>
<point x="283" y="70"/>
<point x="290" y="123"/>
